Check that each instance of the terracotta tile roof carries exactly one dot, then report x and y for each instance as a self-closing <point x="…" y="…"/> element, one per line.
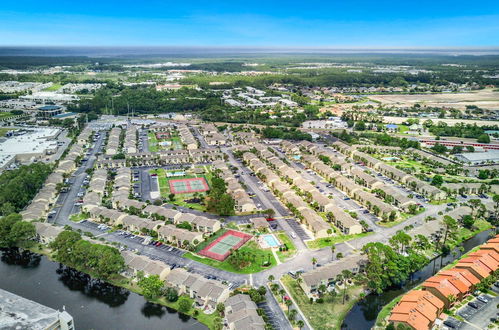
<point x="446" y="280"/>
<point x="421" y="295"/>
<point x="490" y="246"/>
<point x="474" y="267"/>
<point x="481" y="260"/>
<point x="415" y="320"/>
<point x="442" y="285"/>
<point x="464" y="274"/>
<point x="489" y="254"/>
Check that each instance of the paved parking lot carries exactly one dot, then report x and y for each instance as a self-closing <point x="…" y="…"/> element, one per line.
<point x="479" y="318"/>
<point x="297" y="229"/>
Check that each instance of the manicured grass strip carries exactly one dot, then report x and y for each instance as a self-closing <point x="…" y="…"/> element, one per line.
<point x="53" y="88"/>
<point x="383" y="313"/>
<point x="251" y="247"/>
<point x="328" y="241"/>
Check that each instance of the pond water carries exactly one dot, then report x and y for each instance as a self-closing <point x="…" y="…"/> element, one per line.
<point x="93" y="304"/>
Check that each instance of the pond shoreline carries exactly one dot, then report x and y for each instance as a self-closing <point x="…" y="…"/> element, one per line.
<point x="99" y="294"/>
<point x="365" y="311"/>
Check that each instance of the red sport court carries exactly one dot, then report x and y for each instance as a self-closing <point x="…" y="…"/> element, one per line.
<point x="220" y="248"/>
<point x="187" y="186"/>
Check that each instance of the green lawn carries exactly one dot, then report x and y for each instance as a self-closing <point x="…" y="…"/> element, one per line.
<point x="320" y="243"/>
<point x="4" y="115"/>
<point x="53" y="88"/>
<point x="254" y="267"/>
<point x="402" y="218"/>
<point x="284" y="238"/>
<point x="3" y="131"/>
<point x="443" y="201"/>
<point x="403" y="128"/>
<point x="154" y="146"/>
<point x="77" y="217"/>
<point x="153" y="142"/>
<point x="328" y="315"/>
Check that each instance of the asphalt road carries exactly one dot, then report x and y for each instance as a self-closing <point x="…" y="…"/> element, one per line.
<point x="302" y="260"/>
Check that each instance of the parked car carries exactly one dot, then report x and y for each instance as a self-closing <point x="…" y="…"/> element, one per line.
<point x="450" y="324"/>
<point x="482" y="299"/>
<point x="473" y="304"/>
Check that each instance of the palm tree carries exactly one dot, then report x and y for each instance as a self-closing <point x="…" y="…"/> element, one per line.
<point x="450" y="225"/>
<point x="282" y="293"/>
<point x="288" y="304"/>
<point x="314" y="261"/>
<point x="271" y="278"/>
<point x="346" y="275"/>
<point x="333" y="249"/>
<point x="300" y="324"/>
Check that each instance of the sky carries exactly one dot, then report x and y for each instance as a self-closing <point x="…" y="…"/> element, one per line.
<point x="311" y="23"/>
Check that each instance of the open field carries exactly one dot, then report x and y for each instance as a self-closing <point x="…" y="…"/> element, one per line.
<point x="328" y="315"/>
<point x="487" y="99"/>
<point x="53" y="88"/>
<point x="320" y="243"/>
<point x="4" y="131"/>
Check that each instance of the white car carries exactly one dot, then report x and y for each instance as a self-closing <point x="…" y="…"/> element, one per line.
<point x="293" y="234"/>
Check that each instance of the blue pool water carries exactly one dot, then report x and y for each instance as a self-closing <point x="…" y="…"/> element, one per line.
<point x="271" y="240"/>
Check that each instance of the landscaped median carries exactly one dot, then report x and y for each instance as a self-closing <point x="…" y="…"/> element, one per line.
<point x="320" y="243"/>
<point x="329" y="314"/>
<point x="289" y="250"/>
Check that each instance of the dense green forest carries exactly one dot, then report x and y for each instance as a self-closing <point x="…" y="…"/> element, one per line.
<point x="18" y="187"/>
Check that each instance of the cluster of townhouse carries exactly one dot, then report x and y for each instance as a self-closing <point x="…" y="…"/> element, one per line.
<point x="137" y="216"/>
<point x="392" y="172"/>
<point x="466" y="188"/>
<point x="96" y="190"/>
<point x="113" y="141"/>
<point x="212" y="136"/>
<point x="348" y="186"/>
<point x="206" y="293"/>
<point x="314" y="222"/>
<point x="246" y="138"/>
<point x="243" y="201"/>
<point x="255" y="98"/>
<point x="47" y="196"/>
<point x="162" y="157"/>
<point x="241" y="314"/>
<point x="419" y="309"/>
<point x="187" y="138"/>
<point x="130" y="143"/>
<point x="327" y="274"/>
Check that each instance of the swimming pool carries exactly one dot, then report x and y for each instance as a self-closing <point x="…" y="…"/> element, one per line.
<point x="271" y="240"/>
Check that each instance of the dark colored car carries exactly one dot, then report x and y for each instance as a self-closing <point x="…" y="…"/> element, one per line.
<point x="473" y="305"/>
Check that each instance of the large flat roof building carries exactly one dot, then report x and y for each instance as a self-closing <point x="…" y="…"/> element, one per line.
<point x="17" y="312"/>
<point x="479" y="157"/>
